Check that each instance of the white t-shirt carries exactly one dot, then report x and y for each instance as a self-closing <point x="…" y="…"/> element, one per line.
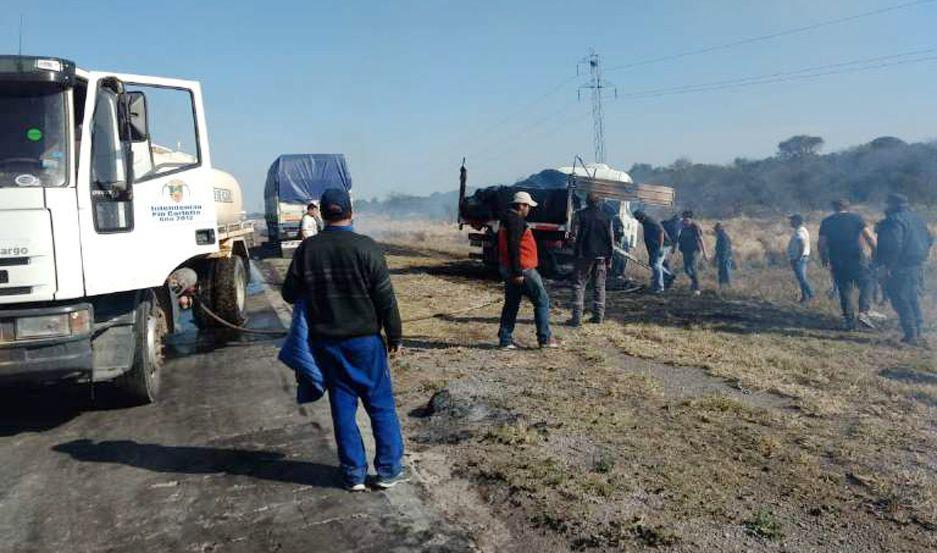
<point x="801" y="237"/>
<point x="308" y="226"/>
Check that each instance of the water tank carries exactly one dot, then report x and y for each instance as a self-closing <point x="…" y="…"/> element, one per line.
<point x="229" y="201"/>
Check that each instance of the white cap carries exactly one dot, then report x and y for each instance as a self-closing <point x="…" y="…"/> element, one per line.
<point x="524" y="198"/>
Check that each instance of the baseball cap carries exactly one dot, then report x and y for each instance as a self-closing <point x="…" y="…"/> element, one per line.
<point x="524" y="198"/>
<point x="335" y="204"/>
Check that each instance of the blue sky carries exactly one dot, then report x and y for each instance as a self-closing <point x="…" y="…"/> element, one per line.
<point x="406" y="88"/>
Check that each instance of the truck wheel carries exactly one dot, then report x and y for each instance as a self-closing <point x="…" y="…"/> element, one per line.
<point x="229" y="285"/>
<point x="141" y="384"/>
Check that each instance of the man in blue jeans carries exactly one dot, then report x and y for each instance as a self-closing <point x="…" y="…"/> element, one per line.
<point x="344" y="279"/>
<point x="517" y="251"/>
<point x="798" y="252"/>
<point x="654" y="239"/>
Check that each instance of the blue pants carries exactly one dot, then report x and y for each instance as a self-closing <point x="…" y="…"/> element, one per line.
<point x="513" y="293"/>
<point x="725" y="266"/>
<point x="657" y="259"/>
<point x="356" y="368"/>
<point x="800" y="272"/>
<point x="904" y="290"/>
<point x="691" y="268"/>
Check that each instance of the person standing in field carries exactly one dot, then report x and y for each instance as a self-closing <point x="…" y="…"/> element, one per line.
<point x="904" y="244"/>
<point x="798" y="253"/>
<point x="672" y="228"/>
<point x="344" y="280"/>
<point x="593" y="248"/>
<point x="517" y="251"/>
<point x="725" y="257"/>
<point x="691" y="245"/>
<point x="845" y="244"/>
<point x="309" y="225"/>
<point x="654" y="240"/>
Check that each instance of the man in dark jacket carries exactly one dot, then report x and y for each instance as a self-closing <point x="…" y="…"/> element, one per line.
<point x="904" y="244"/>
<point x="344" y="279"/>
<point x="654" y="240"/>
<point x="690" y="243"/>
<point x="593" y="249"/>
<point x="517" y="251"/>
<point x="724" y="258"/>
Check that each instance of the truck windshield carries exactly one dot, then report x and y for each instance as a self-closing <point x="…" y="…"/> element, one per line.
<point x="32" y="138"/>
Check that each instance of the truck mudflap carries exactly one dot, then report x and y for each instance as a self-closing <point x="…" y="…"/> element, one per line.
<point x="27" y="358"/>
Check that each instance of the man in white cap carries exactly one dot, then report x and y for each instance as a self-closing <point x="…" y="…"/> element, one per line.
<point x="517" y="251"/>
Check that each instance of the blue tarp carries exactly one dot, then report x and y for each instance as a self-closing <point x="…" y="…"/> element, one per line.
<point x="299" y="178"/>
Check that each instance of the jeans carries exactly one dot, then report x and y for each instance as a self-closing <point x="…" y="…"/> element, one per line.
<point x="725" y="271"/>
<point x="357" y="368"/>
<point x="691" y="268"/>
<point x="904" y="290"/>
<point x="586" y="268"/>
<point x="657" y="259"/>
<point x="533" y="288"/>
<point x="800" y="272"/>
<point x="849" y="278"/>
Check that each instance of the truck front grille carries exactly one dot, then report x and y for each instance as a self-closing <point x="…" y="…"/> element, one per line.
<point x="16" y="291"/>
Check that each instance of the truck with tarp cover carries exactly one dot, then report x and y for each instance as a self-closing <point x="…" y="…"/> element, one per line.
<point x="293" y="182"/>
<point x="560" y="193"/>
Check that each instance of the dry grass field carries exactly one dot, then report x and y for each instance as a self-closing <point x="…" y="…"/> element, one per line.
<point x="732" y="421"/>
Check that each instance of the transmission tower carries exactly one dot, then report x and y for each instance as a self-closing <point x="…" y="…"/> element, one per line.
<point x="598" y="86"/>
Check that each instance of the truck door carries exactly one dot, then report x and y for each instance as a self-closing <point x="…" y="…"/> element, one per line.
<point x="148" y="191"/>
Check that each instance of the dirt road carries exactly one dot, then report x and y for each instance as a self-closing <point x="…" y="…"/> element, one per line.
<point x="226" y="462"/>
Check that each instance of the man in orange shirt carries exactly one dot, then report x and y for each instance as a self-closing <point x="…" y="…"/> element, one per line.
<point x="517" y="251"/>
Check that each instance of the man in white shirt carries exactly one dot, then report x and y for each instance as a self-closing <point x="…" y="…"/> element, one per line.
<point x="798" y="252"/>
<point x="309" y="225"/>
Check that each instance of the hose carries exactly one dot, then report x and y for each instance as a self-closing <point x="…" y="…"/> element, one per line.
<point x="215" y="317"/>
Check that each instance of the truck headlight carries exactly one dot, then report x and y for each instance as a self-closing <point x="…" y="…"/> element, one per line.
<point x="46" y="326"/>
<point x="79" y="322"/>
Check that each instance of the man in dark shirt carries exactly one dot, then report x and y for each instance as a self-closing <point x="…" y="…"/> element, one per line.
<point x="593" y="247"/>
<point x="654" y="240"/>
<point x="725" y="258"/>
<point x="517" y="251"/>
<point x="691" y="245"/>
<point x="845" y="244"/>
<point x="904" y="244"/>
<point x="344" y="279"/>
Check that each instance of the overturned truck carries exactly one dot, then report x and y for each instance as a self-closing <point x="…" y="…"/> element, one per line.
<point x="559" y="193"/>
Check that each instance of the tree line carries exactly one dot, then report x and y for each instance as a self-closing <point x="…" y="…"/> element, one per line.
<point x="800" y="177"/>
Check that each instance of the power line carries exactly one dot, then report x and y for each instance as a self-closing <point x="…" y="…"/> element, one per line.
<point x="797" y="74"/>
<point x="520" y="132"/>
<point x="777" y="34"/>
<point x="522" y="109"/>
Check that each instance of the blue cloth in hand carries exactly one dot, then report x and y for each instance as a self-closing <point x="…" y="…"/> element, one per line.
<point x="297" y="355"/>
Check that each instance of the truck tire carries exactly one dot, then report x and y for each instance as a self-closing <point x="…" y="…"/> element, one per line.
<point x="229" y="287"/>
<point x="141" y="384"/>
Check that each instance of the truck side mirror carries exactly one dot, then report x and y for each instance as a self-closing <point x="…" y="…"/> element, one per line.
<point x="135" y="125"/>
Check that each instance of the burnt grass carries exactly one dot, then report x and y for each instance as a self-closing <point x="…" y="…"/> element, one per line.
<point x="733" y="421"/>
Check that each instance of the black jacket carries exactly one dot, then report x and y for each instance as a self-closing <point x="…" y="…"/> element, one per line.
<point x="903" y="240"/>
<point x="344" y="278"/>
<point x="594" y="236"/>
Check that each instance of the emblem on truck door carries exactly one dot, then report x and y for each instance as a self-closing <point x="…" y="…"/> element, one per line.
<point x="175" y="204"/>
<point x="176" y="190"/>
